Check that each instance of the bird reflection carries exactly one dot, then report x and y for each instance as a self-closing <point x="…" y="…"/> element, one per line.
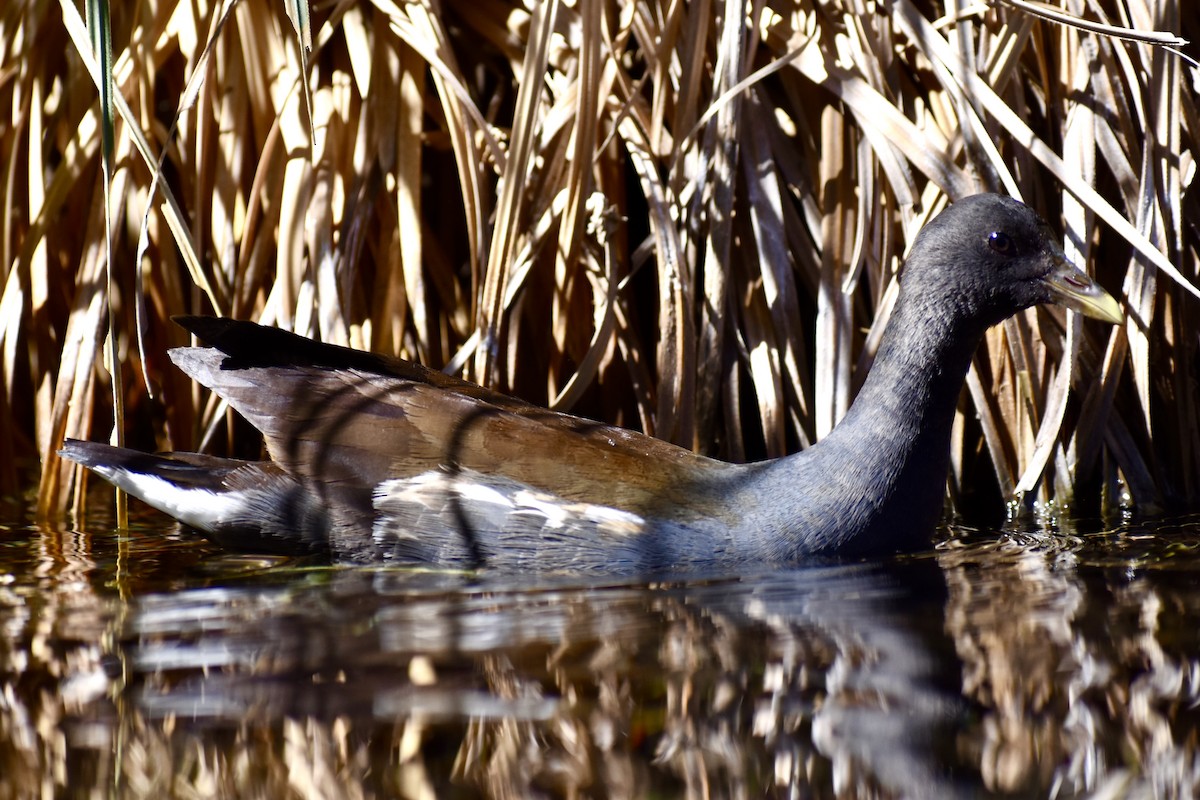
<point x="822" y="678"/>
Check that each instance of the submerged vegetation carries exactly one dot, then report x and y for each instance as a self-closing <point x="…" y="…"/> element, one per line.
<point x="682" y="217"/>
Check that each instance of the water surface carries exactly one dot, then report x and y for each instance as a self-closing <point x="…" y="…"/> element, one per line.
<point x="149" y="663"/>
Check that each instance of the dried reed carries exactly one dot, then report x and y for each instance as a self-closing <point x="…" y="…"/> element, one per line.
<point x="686" y="217"/>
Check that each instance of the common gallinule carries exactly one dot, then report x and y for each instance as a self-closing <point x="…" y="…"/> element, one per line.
<point x="375" y="458"/>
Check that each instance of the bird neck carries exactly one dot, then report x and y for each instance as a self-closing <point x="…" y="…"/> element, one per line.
<point x="879" y="476"/>
<point x="912" y="389"/>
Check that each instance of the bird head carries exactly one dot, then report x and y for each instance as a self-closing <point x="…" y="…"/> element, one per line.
<point x="996" y="256"/>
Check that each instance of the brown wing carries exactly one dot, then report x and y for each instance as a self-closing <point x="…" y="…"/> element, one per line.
<point x="360" y="427"/>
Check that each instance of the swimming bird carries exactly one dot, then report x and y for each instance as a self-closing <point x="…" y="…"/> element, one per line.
<point x="376" y="459"/>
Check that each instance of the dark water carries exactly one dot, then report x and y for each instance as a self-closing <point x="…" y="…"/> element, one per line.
<point x="999" y="664"/>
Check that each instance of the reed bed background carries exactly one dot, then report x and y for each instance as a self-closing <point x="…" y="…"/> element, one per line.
<point x="682" y="217"/>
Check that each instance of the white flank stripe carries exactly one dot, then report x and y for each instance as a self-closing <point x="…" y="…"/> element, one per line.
<point x="475" y="493"/>
<point x="430" y="490"/>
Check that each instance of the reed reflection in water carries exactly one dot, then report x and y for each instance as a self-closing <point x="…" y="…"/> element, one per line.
<point x="1020" y="666"/>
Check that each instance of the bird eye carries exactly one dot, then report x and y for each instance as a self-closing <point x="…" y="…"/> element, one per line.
<point x="1000" y="242"/>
